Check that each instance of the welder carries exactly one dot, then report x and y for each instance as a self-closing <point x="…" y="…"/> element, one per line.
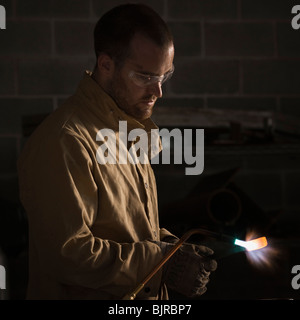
<point x="94" y="228"/>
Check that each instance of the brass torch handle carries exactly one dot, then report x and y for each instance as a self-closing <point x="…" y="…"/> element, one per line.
<point x="132" y="295"/>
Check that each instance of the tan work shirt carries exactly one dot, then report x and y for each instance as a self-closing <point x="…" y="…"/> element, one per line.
<point x="89" y="223"/>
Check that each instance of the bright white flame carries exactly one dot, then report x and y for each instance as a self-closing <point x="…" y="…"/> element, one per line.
<point x="252" y="244"/>
<point x="240" y="243"/>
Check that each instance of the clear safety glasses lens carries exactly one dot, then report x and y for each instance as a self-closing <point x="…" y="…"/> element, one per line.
<point x="143" y="80"/>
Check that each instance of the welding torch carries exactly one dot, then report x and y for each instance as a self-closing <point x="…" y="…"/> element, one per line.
<point x="248" y="245"/>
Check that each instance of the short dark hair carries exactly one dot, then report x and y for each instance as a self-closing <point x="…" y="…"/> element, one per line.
<point x="116" y="28"/>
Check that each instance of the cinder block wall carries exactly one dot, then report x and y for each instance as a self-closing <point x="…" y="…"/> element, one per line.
<point x="237" y="54"/>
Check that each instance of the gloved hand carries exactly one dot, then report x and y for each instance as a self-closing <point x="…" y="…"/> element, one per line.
<point x="187" y="271"/>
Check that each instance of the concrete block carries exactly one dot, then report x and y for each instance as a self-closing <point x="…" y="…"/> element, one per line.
<point x="205" y="76"/>
<point x="239" y="39"/>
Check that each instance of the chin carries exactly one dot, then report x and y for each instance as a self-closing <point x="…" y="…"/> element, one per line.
<point x="145" y="115"/>
<point x="142" y="113"/>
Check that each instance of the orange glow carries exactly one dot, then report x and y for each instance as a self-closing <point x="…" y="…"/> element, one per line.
<point x="254" y="244"/>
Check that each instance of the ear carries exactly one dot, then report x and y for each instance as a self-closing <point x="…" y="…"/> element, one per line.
<point x="105" y="64"/>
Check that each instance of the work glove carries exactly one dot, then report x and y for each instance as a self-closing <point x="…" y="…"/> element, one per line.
<point x="187" y="271"/>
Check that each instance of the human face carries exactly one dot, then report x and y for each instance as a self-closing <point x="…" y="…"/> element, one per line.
<point x="148" y="59"/>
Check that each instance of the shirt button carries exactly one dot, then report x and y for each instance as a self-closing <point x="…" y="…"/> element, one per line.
<point x="146" y="185"/>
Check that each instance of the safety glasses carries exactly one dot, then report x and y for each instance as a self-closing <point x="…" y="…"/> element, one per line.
<point x="145" y="80"/>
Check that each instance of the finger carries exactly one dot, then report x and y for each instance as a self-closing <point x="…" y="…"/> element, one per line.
<point x="197" y="291"/>
<point x="200" y="284"/>
<point x="204" y="251"/>
<point x="209" y="264"/>
<point x="202" y="280"/>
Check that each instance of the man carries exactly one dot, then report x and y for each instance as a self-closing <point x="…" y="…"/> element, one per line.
<point x="94" y="228"/>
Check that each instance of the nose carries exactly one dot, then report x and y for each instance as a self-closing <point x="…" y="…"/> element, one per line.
<point x="156" y="90"/>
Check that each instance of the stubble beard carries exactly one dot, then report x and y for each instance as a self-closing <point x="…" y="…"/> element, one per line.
<point x="117" y="90"/>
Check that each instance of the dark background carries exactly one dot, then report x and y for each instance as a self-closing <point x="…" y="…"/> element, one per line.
<point x="231" y="55"/>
